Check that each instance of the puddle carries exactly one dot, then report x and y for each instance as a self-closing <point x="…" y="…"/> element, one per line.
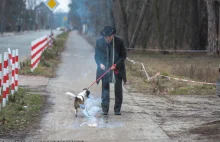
<point x="92" y="118"/>
<point x="92" y="123"/>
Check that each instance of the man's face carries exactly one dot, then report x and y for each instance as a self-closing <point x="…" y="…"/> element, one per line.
<point x="108" y="39"/>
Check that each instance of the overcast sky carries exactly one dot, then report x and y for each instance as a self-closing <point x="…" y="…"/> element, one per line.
<point x="62" y="7"/>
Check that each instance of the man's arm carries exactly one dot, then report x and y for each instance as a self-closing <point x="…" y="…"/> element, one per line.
<point x="122" y="54"/>
<point x="97" y="54"/>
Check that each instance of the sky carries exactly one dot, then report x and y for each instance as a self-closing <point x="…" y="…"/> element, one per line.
<point x="62" y="7"/>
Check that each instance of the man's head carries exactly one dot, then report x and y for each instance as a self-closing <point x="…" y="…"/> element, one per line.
<point x="108" y="39"/>
<point x="108" y="33"/>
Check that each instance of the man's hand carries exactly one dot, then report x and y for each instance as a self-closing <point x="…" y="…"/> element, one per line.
<point x="102" y="66"/>
<point x="113" y="67"/>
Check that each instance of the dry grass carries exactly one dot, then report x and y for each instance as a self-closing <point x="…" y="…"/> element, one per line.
<point x="193" y="67"/>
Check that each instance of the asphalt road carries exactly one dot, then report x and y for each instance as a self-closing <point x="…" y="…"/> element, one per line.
<point x="22" y="42"/>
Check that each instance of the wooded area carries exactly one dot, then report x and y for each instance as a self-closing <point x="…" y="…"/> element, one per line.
<point x="154" y="24"/>
<point x="20" y="15"/>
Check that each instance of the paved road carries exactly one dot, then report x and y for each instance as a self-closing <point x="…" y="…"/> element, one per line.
<point x="22" y="42"/>
<point x="76" y="72"/>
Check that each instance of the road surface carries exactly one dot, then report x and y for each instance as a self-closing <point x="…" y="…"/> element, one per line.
<point x="22" y="42"/>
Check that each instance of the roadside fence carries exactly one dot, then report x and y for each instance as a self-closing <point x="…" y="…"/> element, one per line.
<point x="8" y="75"/>
<point x="37" y="48"/>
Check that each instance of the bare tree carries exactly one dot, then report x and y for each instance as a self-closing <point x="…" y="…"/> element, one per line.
<point x="195" y="25"/>
<point x="2" y="16"/>
<point x="138" y="25"/>
<point x="212" y="34"/>
<point x="123" y="22"/>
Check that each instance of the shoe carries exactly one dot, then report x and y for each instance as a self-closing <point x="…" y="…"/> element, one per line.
<point x="117" y="113"/>
<point x="105" y="113"/>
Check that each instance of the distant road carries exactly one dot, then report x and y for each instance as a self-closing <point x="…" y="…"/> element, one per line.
<point x="22" y="42"/>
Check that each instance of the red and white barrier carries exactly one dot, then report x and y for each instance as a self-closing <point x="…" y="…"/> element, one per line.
<point x="5" y="79"/>
<point x="16" y="70"/>
<point x="37" y="48"/>
<point x="50" y="40"/>
<point x="10" y="55"/>
<point x="13" y="72"/>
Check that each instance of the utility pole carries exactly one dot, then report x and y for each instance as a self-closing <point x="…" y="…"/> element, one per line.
<point x="2" y="17"/>
<point x="51" y="22"/>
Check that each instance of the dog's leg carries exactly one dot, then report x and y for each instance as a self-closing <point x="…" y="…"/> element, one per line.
<point x="76" y="112"/>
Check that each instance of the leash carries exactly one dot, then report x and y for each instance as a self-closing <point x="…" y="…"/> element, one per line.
<point x="99" y="78"/>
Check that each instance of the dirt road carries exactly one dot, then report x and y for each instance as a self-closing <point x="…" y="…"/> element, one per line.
<point x="144" y="117"/>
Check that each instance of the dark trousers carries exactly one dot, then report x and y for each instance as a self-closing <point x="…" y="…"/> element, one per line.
<point x="118" y="94"/>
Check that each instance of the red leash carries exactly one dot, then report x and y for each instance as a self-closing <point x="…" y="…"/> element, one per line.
<point x="99" y="78"/>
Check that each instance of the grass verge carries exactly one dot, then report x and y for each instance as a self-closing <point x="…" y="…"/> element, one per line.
<point x="167" y="65"/>
<point x="49" y="59"/>
<point x="21" y="109"/>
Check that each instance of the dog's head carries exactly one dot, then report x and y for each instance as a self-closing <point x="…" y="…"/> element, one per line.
<point x="87" y="92"/>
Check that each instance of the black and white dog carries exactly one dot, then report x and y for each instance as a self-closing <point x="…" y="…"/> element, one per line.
<point x="79" y="101"/>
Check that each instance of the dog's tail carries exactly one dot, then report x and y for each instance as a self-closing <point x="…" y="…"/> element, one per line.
<point x="71" y="94"/>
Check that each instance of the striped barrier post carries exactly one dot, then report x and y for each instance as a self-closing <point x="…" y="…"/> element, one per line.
<point x="16" y="70"/>
<point x="10" y="55"/>
<point x="7" y="78"/>
<point x="4" y="79"/>
<point x="13" y="72"/>
<point x="37" y="47"/>
<point x="1" y="82"/>
<point x="51" y="40"/>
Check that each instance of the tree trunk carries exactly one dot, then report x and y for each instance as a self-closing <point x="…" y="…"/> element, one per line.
<point x="212" y="34"/>
<point x="195" y="25"/>
<point x="168" y="28"/>
<point x="123" y="22"/>
<point x="138" y="25"/>
<point x="158" y="27"/>
<point x="2" y="17"/>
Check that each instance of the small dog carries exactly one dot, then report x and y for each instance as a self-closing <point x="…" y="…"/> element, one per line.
<point x="80" y="100"/>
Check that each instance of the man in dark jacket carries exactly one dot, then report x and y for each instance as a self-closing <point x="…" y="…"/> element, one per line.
<point x="110" y="52"/>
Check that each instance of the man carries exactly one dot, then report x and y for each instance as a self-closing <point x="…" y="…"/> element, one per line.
<point x="110" y="52"/>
